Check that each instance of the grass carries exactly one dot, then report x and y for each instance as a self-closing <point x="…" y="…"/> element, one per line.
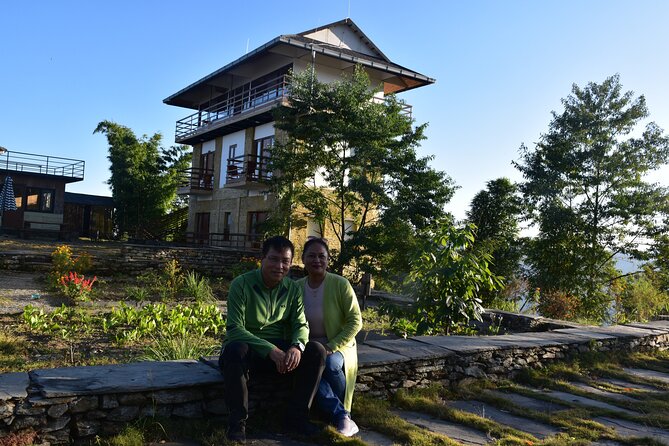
<point x="168" y="348"/>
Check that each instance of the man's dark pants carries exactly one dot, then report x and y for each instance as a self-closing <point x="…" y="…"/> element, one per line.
<point x="238" y="360"/>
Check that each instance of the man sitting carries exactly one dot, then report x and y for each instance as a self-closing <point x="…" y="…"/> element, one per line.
<point x="267" y="331"/>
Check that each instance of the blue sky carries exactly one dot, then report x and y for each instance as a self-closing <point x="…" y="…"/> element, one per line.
<point x="501" y="67"/>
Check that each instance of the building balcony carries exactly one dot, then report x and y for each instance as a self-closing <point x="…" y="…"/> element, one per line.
<point x="248" y="172"/>
<point x="238" y="111"/>
<point x="70" y="170"/>
<point x="225" y="240"/>
<point x="196" y="181"/>
<point x="233" y="110"/>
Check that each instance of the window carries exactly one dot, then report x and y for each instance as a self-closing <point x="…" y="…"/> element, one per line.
<point x="257" y="165"/>
<point x="227" y="225"/>
<point x="39" y="200"/>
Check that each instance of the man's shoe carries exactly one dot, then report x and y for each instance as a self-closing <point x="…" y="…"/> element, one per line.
<point x="302" y="427"/>
<point x="236" y="432"/>
<point x="347" y="427"/>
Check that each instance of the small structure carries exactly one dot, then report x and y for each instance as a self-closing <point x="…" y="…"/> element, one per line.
<point x="39" y="191"/>
<point x="89" y="215"/>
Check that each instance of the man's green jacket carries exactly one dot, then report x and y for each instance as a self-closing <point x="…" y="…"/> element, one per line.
<point x="257" y="313"/>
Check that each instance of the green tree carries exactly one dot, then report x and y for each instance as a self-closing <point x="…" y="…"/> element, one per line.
<point x="496" y="211"/>
<point x="349" y="156"/>
<point x="144" y="176"/>
<point x="584" y="183"/>
<point x="448" y="277"/>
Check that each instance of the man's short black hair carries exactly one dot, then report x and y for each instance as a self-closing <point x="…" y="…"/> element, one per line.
<point x="279" y="243"/>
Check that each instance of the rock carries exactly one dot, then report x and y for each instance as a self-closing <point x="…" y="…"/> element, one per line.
<point x="109" y="402"/>
<point x="191" y="410"/>
<point x="6" y="409"/>
<point x="56" y="425"/>
<point x="57" y="410"/>
<point x="123" y="413"/>
<point x="132" y="399"/>
<point x="176" y="396"/>
<point x="84" y="404"/>
<point x="85" y="428"/>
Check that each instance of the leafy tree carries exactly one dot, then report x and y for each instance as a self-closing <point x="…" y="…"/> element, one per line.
<point x="496" y="211"/>
<point x="348" y="156"/>
<point x="448" y="277"/>
<point x="584" y="182"/>
<point x="144" y="176"/>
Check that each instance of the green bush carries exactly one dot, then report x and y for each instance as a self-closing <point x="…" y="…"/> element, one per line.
<point x="197" y="287"/>
<point x="180" y="346"/>
<point x="637" y="299"/>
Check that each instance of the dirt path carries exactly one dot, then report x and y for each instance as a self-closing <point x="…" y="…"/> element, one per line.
<point x="18" y="289"/>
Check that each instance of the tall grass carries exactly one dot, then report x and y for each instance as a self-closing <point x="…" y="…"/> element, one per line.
<point x="198" y="287"/>
<point x="169" y="348"/>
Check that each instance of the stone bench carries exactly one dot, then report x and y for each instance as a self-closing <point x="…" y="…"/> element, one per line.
<point x="77" y="403"/>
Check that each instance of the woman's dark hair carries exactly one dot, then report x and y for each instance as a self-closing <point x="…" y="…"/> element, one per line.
<point x="279" y="243"/>
<point x="316" y="241"/>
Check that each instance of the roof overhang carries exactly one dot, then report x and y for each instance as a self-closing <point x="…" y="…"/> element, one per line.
<point x="395" y="77"/>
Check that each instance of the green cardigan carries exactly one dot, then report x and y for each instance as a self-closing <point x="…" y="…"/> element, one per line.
<point x="342" y="322"/>
<point x="257" y="313"/>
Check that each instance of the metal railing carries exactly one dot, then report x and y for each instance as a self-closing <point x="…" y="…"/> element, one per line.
<point x="197" y="178"/>
<point x="233" y="104"/>
<point x="225" y="240"/>
<point x="405" y="109"/>
<point x="42" y="164"/>
<point x="248" y="168"/>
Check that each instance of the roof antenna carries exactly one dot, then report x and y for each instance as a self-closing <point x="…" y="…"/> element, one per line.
<point x="349" y="10"/>
<point x="247" y="45"/>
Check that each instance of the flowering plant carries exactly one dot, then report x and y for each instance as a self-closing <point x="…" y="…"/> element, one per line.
<point x="76" y="286"/>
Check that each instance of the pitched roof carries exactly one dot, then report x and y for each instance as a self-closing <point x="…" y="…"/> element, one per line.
<point x="341" y="40"/>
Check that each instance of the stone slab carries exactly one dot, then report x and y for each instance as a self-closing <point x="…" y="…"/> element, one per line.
<point x="411" y="348"/>
<point x="14" y="385"/>
<point x="653" y="325"/>
<point x="545" y="338"/>
<point x="485" y="410"/>
<point x="648" y="374"/>
<point x="600" y="392"/>
<point x="459" y="344"/>
<point x="371" y="356"/>
<point x="547" y="407"/>
<point x="625" y="332"/>
<point x="586" y="333"/>
<point x="374" y="438"/>
<point x="463" y="434"/>
<point x="629" y="385"/>
<point x="583" y="401"/>
<point x="631" y="429"/>
<point x="124" y="378"/>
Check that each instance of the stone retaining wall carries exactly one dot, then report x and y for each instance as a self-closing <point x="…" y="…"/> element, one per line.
<point x="135" y="259"/>
<point x="78" y="403"/>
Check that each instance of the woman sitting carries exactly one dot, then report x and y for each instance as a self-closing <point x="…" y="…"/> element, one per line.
<point x="332" y="309"/>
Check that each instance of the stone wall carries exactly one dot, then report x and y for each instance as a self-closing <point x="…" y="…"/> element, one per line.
<point x="78" y="403"/>
<point x="135" y="259"/>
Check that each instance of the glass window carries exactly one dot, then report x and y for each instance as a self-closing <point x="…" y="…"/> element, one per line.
<point x="39" y="200"/>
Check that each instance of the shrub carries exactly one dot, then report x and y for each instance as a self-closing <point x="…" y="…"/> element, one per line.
<point x="63" y="262"/>
<point x="172" y="278"/>
<point x="137" y="293"/>
<point x="246" y="264"/>
<point x="197" y="287"/>
<point x="180" y="346"/>
<point x="557" y="304"/>
<point x="638" y="299"/>
<point x="76" y="286"/>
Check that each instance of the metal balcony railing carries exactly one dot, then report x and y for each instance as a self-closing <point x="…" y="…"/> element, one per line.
<point x="197" y="178"/>
<point x="248" y="168"/>
<point x="405" y="109"/>
<point x="225" y="239"/>
<point x="42" y="164"/>
<point x="234" y="104"/>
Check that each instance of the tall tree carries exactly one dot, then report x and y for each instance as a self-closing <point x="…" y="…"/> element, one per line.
<point x="346" y="156"/>
<point x="585" y="184"/>
<point x="144" y="176"/>
<point x="496" y="211"/>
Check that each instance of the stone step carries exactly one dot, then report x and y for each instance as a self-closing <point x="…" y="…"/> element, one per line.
<point x="485" y="410"/>
<point x="631" y="429"/>
<point x="547" y="407"/>
<point x="629" y="386"/>
<point x="373" y="438"/>
<point x="463" y="434"/>
<point x="648" y="374"/>
<point x="600" y="392"/>
<point x="583" y="401"/>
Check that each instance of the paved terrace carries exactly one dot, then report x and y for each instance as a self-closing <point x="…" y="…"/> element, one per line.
<point x="81" y="402"/>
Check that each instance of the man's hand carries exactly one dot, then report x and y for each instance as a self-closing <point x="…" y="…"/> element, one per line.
<point x="279" y="357"/>
<point x="292" y="359"/>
